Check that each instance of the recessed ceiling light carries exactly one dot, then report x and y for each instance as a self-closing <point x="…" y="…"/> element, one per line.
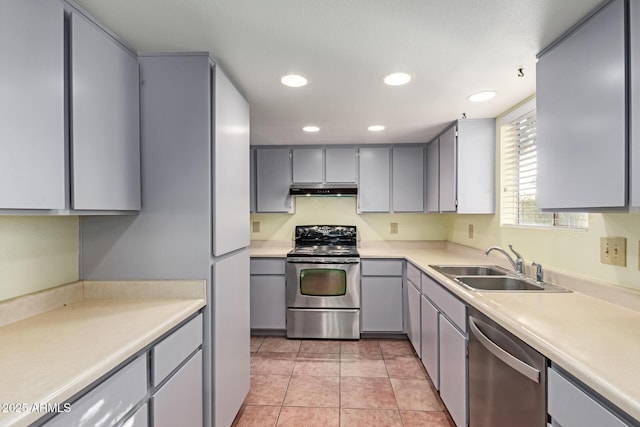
<point x="375" y="128"/>
<point x="396" y="79"/>
<point x="482" y="96"/>
<point x="293" y="80"/>
<point x="311" y="129"/>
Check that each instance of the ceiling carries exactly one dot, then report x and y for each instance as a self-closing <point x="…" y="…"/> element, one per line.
<point x="453" y="48"/>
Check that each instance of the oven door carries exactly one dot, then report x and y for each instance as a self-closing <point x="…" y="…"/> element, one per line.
<point x="323" y="283"/>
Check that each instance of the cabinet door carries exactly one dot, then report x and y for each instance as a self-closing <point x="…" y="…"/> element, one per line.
<point x="382" y="304"/>
<point x="448" y="171"/>
<point x="373" y="185"/>
<point x="433" y="176"/>
<point x="32" y="122"/>
<point x="252" y="180"/>
<point x="308" y="165"/>
<point x="581" y="116"/>
<point x="179" y="401"/>
<point x="230" y="345"/>
<point x="634" y="145"/>
<point x="408" y="179"/>
<point x="340" y="165"/>
<point x="268" y="302"/>
<point x="453" y="371"/>
<point x="105" y="131"/>
<point x="475" y="166"/>
<point x="413" y="328"/>
<point x="430" y="340"/>
<point x="230" y="210"/>
<point x="273" y="180"/>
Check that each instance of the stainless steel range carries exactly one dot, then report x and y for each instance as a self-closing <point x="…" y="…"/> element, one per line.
<point x="323" y="283"/>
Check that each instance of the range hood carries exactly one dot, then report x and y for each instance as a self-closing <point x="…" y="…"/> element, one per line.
<point x="334" y="190"/>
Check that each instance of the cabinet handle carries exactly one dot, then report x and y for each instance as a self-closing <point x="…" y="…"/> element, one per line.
<point x="528" y="371"/>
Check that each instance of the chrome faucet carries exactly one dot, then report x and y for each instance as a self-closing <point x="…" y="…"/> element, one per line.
<point x="539" y="272"/>
<point x="518" y="264"/>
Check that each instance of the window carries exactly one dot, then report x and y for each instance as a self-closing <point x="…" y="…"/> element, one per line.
<point x="519" y="172"/>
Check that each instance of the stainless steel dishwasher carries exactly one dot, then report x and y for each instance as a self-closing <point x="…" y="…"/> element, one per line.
<point x="507" y="378"/>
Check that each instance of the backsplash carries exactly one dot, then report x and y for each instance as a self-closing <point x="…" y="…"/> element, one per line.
<point x="342" y="211"/>
<point x="36" y="253"/>
<point x="576" y="252"/>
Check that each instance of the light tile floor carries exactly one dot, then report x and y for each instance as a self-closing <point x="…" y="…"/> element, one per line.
<point x="339" y="383"/>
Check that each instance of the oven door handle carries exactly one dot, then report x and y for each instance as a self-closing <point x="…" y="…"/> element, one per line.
<point x="513" y="362"/>
<point x="306" y="261"/>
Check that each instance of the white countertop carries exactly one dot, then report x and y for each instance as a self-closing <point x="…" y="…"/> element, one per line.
<point x="49" y="357"/>
<point x="596" y="341"/>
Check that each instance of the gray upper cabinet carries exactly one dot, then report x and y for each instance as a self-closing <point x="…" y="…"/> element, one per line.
<point x="252" y="180"/>
<point x="374" y="181"/>
<point x="340" y="165"/>
<point x="308" y="165"/>
<point x="230" y="146"/>
<point x="408" y="179"/>
<point x="448" y="171"/>
<point x="433" y="176"/>
<point x="466" y="166"/>
<point x="32" y="131"/>
<point x="634" y="152"/>
<point x="273" y="180"/>
<point x="105" y="132"/>
<point x="581" y="116"/>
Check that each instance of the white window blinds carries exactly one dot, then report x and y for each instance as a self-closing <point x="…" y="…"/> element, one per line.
<point x="519" y="172"/>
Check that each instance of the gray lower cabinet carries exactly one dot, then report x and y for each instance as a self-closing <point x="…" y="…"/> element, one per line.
<point x="374" y="179"/>
<point x="105" y="131"/>
<point x="408" y="180"/>
<point x="273" y="180"/>
<point x="110" y="401"/>
<point x="32" y="125"/>
<point x="430" y="340"/>
<point x="174" y="378"/>
<point x="573" y="405"/>
<point x="268" y="294"/>
<point x="445" y="346"/>
<point x="413" y="317"/>
<point x="179" y="401"/>
<point x="582" y="116"/>
<point x="453" y="370"/>
<point x="382" y="296"/>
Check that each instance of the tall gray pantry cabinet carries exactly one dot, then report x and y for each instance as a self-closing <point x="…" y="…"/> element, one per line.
<point x="194" y="222"/>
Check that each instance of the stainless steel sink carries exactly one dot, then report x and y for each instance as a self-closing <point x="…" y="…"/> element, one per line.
<point x="491" y="278"/>
<point x="502" y="283"/>
<point x="470" y="270"/>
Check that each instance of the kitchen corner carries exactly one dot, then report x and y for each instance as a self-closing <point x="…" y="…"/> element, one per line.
<point x="61" y="342"/>
<point x="593" y="332"/>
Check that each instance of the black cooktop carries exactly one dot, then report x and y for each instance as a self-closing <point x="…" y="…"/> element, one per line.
<point x="325" y="240"/>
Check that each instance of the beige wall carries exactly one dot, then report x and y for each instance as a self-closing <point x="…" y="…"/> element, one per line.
<point x="342" y="211"/>
<point x="37" y="253"/>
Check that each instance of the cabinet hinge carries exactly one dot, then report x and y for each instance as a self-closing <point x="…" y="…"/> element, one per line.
<point x="290" y="154"/>
<point x="456" y="133"/>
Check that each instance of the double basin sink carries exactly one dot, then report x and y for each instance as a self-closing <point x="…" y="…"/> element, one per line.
<point x="493" y="278"/>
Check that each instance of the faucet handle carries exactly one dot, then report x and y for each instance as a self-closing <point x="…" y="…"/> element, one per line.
<point x="539" y="272"/>
<point x="519" y="260"/>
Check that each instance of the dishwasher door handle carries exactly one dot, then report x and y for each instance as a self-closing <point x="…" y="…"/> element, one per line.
<point x="528" y="371"/>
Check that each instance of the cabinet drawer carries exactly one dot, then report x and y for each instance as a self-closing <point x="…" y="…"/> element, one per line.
<point x="139" y="419"/>
<point x="381" y="267"/>
<point x="179" y="401"/>
<point x="267" y="266"/>
<point x="171" y="351"/>
<point x="413" y="275"/>
<point x="448" y="304"/>
<point x="109" y="401"/>
<point x="569" y="406"/>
